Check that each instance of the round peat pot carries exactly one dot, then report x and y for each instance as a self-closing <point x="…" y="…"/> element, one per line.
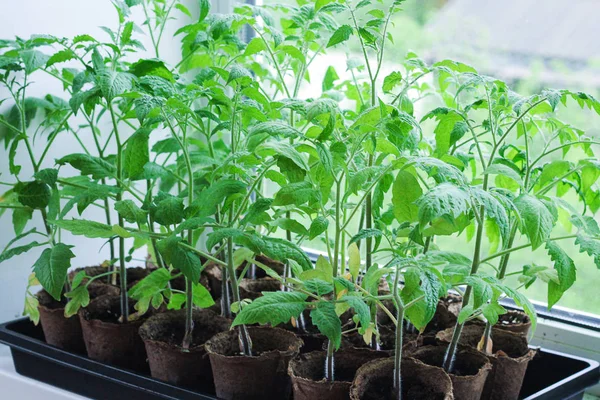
<point x="375" y="381"/>
<point x="109" y="341"/>
<point x="307" y="372"/>
<point x="163" y="334"/>
<point x="513" y="321"/>
<point x="62" y="332"/>
<point x="446" y="314"/>
<point x="471" y="369"/>
<point x="253" y="288"/>
<point x="510" y="357"/>
<point x="261" y="376"/>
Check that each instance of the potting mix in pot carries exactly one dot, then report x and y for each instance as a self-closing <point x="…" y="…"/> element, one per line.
<point x="223" y="173"/>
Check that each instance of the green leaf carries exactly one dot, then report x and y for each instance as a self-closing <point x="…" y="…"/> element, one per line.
<point x="201" y="296"/>
<point x="354" y="260"/>
<point x="89" y="229"/>
<point x="51" y="268"/>
<point x="131" y="212"/>
<point x="330" y="77"/>
<point x="272" y="308"/>
<point x="295" y="193"/>
<point x="589" y="246"/>
<point x="323" y="271"/>
<point x="34" y="194"/>
<point x="566" y="270"/>
<point x="286" y="150"/>
<point x="256" y="209"/>
<point x="239" y="73"/>
<point x="136" y="154"/>
<point x="361" y="309"/>
<point x="317" y="227"/>
<point x="366" y="233"/>
<point x="255" y="46"/>
<point x="207" y="202"/>
<point x="320" y="3"/>
<point x="405" y="192"/>
<point x="318" y="286"/>
<point x="89" y="165"/>
<point x="326" y="320"/>
<point x="219" y="235"/>
<point x="419" y="283"/>
<point x="342" y="34"/>
<point x="277" y="249"/>
<point x="169" y="211"/>
<point x="204" y="9"/>
<point x="276" y="129"/>
<point x="537" y="219"/>
<point x="33" y="59"/>
<point x="444" y="199"/>
<point x="48" y="175"/>
<point x="290" y="225"/>
<point x="78" y="298"/>
<point x="15" y="251"/>
<point x="187" y="262"/>
<point x="20" y="217"/>
<point x="504" y="170"/>
<point x="391" y="81"/>
<point x="61" y="56"/>
<point x="372" y="277"/>
<point x="113" y="84"/>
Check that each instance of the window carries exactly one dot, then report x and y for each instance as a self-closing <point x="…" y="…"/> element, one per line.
<point x="529" y="46"/>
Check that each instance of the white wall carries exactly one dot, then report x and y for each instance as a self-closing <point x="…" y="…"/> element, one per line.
<point x="63" y="18"/>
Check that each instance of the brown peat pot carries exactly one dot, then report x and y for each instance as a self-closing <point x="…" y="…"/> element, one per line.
<point x="446" y="314"/>
<point x="163" y="335"/>
<point x="471" y="369"/>
<point x="510" y="357"/>
<point x="307" y="373"/>
<point x="261" y="376"/>
<point x="109" y="341"/>
<point x="513" y="321"/>
<point x="253" y="288"/>
<point x="374" y="381"/>
<point x="62" y="332"/>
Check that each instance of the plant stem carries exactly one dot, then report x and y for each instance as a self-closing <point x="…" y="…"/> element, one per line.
<point x="122" y="268"/>
<point x="398" y="339"/>
<point x="243" y="336"/>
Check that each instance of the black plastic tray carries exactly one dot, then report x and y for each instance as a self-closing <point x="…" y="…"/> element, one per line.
<point x="550" y="375"/>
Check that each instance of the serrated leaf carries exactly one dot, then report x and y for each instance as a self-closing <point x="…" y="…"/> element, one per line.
<point x="589" y="246"/>
<point x="405" y="192"/>
<point x="89" y="165"/>
<point x="131" y="212"/>
<point x="361" y="309"/>
<point x="33" y="59"/>
<point x="391" y="81"/>
<point x="537" y="219"/>
<point x="277" y="249"/>
<point x="51" y="268"/>
<point x="89" y="229"/>
<point x="34" y="194"/>
<point x="566" y="270"/>
<point x="113" y="84"/>
<point x="444" y="199"/>
<point x="219" y="235"/>
<point x="504" y="170"/>
<point x="15" y="251"/>
<point x="419" y="283"/>
<point x="326" y="320"/>
<point x="290" y="225"/>
<point x="342" y="34"/>
<point x="295" y="193"/>
<point x="136" y="154"/>
<point x="78" y="298"/>
<point x="20" y="217"/>
<point x="318" y="226"/>
<point x="272" y="307"/>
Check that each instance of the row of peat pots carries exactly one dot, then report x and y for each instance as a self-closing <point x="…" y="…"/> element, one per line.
<point x="287" y="362"/>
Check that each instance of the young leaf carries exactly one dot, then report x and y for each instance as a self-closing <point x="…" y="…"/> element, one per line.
<point x="15" y="251"/>
<point x="567" y="273"/>
<point x="405" y="192"/>
<point x="317" y="227"/>
<point x="272" y="307"/>
<point x="20" y="217"/>
<point x="326" y="320"/>
<point x="78" y="297"/>
<point x="89" y="229"/>
<point x="136" y="154"/>
<point x="361" y="309"/>
<point x="537" y="219"/>
<point x="342" y="34"/>
<point x="34" y="194"/>
<point x="51" y="268"/>
<point x="322" y="271"/>
<point x="113" y="84"/>
<point x="354" y="260"/>
<point x="131" y="212"/>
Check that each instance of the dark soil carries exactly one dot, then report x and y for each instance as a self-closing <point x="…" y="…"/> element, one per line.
<point x="106" y="308"/>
